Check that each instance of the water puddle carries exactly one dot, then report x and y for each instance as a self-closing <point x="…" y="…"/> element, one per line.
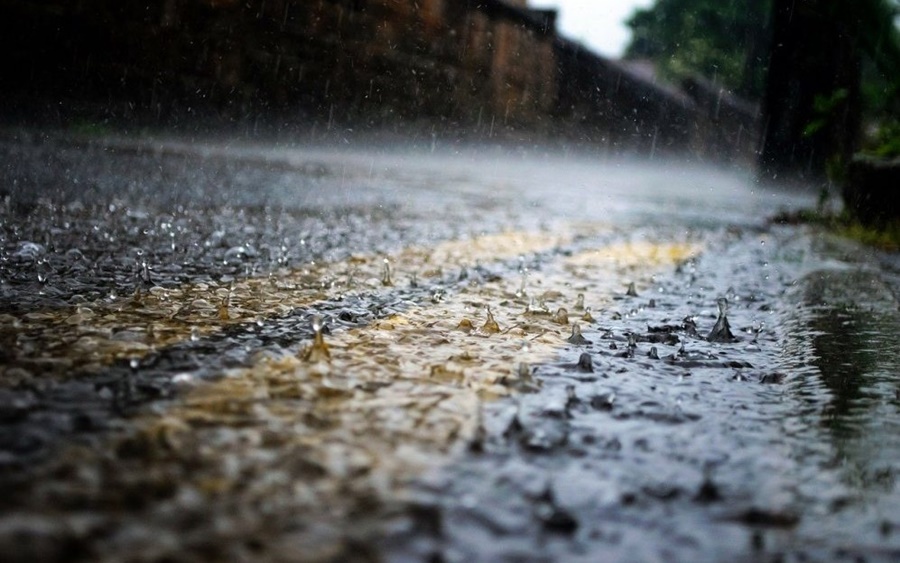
<point x="698" y="428"/>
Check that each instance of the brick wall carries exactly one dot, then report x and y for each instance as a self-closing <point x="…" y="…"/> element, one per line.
<point x="372" y="59"/>
<point x="474" y="65"/>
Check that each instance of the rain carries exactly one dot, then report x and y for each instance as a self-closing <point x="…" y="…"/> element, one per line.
<point x="437" y="281"/>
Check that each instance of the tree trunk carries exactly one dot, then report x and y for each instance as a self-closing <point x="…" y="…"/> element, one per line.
<point x="811" y="104"/>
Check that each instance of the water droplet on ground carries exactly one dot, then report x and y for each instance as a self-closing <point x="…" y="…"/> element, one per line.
<point x="317" y="351"/>
<point x="579" y="303"/>
<point x="585" y="363"/>
<point x="561" y="317"/>
<point x="490" y="325"/>
<point x="721" y="331"/>
<point x="576" y="338"/>
<point x="386" y="274"/>
<point x="587" y="316"/>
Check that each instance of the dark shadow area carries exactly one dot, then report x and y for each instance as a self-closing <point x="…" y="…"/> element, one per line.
<point x="482" y="71"/>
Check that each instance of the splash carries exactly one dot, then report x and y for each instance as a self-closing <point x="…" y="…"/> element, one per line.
<point x="490" y="325"/>
<point x="317" y="351"/>
<point x="576" y="338"/>
<point x="721" y="331"/>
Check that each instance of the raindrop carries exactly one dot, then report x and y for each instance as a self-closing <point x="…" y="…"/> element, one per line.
<point x="524" y="371"/>
<point x="223" y="307"/>
<point x="28" y="250"/>
<point x="587" y="316"/>
<point x="603" y="402"/>
<point x="542" y="307"/>
<point x="235" y="254"/>
<point x="386" y="274"/>
<point x="721" y="332"/>
<point x="585" y="363"/>
<point x="772" y="378"/>
<point x="708" y="492"/>
<point x="554" y="518"/>
<point x="521" y="291"/>
<point x="533" y="308"/>
<point x="318" y="350"/>
<point x="145" y="274"/>
<point x="579" y="303"/>
<point x="571" y="397"/>
<point x="183" y="379"/>
<point x="758" y="327"/>
<point x="576" y="338"/>
<point x="490" y="325"/>
<point x="562" y="316"/>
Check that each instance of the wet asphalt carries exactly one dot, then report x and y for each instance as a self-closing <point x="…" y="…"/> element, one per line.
<point x="660" y="435"/>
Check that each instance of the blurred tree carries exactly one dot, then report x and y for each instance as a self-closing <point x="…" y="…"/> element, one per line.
<point x="725" y="40"/>
<point x="821" y="68"/>
<point x="813" y="100"/>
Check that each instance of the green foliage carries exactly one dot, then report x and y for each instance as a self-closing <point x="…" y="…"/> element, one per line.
<point x="874" y="25"/>
<point x="880" y="93"/>
<point x="90" y="128"/>
<point x="886" y="237"/>
<point x="885" y="142"/>
<point x="726" y="40"/>
<point x="824" y="108"/>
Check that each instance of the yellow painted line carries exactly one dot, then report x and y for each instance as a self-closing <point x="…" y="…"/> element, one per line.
<point x="292" y="453"/>
<point x="396" y="398"/>
<point x="87" y="337"/>
<point x="633" y="255"/>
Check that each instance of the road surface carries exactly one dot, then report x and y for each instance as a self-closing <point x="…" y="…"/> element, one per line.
<point x="220" y="349"/>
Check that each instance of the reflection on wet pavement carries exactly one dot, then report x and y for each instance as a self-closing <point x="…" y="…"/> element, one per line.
<point x="718" y="457"/>
<point x="313" y="364"/>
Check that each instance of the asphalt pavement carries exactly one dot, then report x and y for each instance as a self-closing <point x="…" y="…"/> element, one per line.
<point x="246" y="349"/>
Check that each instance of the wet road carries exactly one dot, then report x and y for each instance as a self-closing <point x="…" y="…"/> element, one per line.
<point x="522" y="359"/>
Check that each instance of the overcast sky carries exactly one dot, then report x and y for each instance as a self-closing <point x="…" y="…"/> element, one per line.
<point x="596" y="23"/>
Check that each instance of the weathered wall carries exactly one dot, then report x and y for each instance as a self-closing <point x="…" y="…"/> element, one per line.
<point x="611" y="103"/>
<point x="473" y="65"/>
<point x="349" y="59"/>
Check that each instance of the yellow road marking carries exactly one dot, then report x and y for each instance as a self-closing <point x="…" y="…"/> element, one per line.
<point x="293" y="449"/>
<point x="87" y="337"/>
<point x="398" y="397"/>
